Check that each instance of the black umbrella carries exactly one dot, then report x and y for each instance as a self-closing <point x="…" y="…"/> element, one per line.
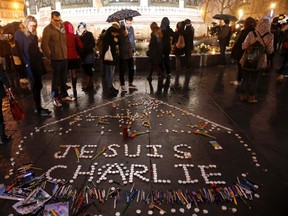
<point x="225" y="16"/>
<point x="241" y="22"/>
<point x="281" y="18"/>
<point x="10" y="28"/>
<point x="122" y="14"/>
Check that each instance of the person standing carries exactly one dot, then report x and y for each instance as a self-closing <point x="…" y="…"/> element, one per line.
<point x="54" y="47"/>
<point x="179" y="31"/>
<point x="283" y="50"/>
<point x="127" y="49"/>
<point x="167" y="33"/>
<point x="237" y="51"/>
<point x="4" y="86"/>
<point x="189" y="42"/>
<point x="18" y="66"/>
<point x="111" y="43"/>
<point x="87" y="54"/>
<point x="155" y="52"/>
<point x="224" y="36"/>
<point x="73" y="43"/>
<point x="5" y="54"/>
<point x="31" y="58"/>
<point x="250" y="80"/>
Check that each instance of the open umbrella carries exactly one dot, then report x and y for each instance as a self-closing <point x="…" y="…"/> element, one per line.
<point x="122" y="14"/>
<point x="10" y="28"/>
<point x="225" y="16"/>
<point x="281" y="18"/>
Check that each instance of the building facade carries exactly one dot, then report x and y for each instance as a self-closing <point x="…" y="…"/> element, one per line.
<point x="11" y="11"/>
<point x="95" y="12"/>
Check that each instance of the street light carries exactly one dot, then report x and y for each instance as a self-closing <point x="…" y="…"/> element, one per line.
<point x="272" y="6"/>
<point x="240" y="14"/>
<point x="15" y="5"/>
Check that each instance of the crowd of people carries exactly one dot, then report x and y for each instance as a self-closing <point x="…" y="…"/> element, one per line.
<point x="68" y="50"/>
<point x="273" y="36"/>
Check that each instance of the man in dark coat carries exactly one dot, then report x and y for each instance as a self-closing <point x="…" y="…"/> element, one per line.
<point x="126" y="57"/>
<point x="189" y="42"/>
<point x="224" y="39"/>
<point x="168" y="34"/>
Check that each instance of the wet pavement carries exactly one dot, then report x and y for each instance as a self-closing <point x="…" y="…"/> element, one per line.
<point x="168" y="156"/>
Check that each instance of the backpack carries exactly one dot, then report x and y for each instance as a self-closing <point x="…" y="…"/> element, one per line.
<point x="254" y="54"/>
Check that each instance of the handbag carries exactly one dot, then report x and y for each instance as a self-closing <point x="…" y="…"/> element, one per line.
<point x="16" y="110"/>
<point x="108" y="55"/>
<point x="181" y="42"/>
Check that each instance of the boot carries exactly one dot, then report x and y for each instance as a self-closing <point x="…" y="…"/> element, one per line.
<point x="243" y="97"/>
<point x="74" y="82"/>
<point x="3" y="137"/>
<point x="251" y="99"/>
<point x="90" y="85"/>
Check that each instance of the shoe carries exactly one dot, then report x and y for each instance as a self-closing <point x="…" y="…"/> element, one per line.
<point x="280" y="78"/>
<point x="243" y="97"/>
<point x="24" y="81"/>
<point x="5" y="138"/>
<point x="251" y="100"/>
<point x="56" y="103"/>
<point x="221" y="65"/>
<point x="44" y="112"/>
<point x="131" y="85"/>
<point x="25" y="84"/>
<point x="123" y="89"/>
<point x="114" y="91"/>
<point x="235" y="83"/>
<point x="68" y="99"/>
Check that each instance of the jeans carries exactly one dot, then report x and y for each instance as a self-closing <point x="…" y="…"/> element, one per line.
<point x="122" y="67"/>
<point x="109" y="71"/>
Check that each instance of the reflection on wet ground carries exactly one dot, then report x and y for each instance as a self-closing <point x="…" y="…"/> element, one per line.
<point x="168" y="157"/>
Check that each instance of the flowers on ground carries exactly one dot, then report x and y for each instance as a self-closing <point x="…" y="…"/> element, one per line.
<point x="203" y="48"/>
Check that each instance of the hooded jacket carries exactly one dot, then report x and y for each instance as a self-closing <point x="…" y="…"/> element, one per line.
<point x="73" y="41"/>
<point x="263" y="26"/>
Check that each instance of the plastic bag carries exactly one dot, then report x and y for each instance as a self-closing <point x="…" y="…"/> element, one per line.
<point x="108" y="55"/>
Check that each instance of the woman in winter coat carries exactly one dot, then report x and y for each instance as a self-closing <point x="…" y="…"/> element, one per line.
<point x="168" y="34"/>
<point x="87" y="54"/>
<point x="111" y="41"/>
<point x="237" y="51"/>
<point x="250" y="80"/>
<point x="178" y="51"/>
<point x="155" y="51"/>
<point x="27" y="44"/>
<point x="74" y="44"/>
